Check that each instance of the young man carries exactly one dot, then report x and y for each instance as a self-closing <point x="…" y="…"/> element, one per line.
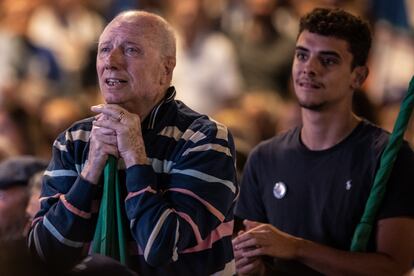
<point x="304" y="191"/>
<point x="178" y="167"/>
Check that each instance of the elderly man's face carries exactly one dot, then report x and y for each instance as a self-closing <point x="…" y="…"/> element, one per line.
<point x="130" y="66"/>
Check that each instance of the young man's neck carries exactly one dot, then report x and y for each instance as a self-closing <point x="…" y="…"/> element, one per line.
<point x="323" y="130"/>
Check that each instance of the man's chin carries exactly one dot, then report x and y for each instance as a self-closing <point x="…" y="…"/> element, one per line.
<point x="113" y="100"/>
<point x="313" y="106"/>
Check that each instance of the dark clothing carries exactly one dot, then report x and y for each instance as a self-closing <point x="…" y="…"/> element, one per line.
<point x="98" y="265"/>
<point x="179" y="208"/>
<point x="326" y="190"/>
<point x="15" y="260"/>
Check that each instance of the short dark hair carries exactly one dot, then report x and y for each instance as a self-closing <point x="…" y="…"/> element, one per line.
<point x="343" y="25"/>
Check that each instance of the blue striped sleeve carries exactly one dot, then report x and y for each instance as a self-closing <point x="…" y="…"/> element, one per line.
<point x="64" y="226"/>
<point x="190" y="208"/>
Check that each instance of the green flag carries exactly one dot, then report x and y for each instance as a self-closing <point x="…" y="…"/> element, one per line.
<point x="109" y="239"/>
<point x="364" y="228"/>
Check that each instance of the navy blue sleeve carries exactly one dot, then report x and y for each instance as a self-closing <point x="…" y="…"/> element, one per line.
<point x="190" y="210"/>
<point x="250" y="204"/>
<point x="63" y="228"/>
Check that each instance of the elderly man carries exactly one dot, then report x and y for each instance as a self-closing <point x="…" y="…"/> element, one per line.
<point x="176" y="166"/>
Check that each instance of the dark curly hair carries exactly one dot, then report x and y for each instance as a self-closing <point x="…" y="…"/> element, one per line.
<point x="343" y="25"/>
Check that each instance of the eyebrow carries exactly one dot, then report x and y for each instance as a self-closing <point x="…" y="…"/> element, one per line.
<point x="325" y="53"/>
<point x="300" y="48"/>
<point x="124" y="42"/>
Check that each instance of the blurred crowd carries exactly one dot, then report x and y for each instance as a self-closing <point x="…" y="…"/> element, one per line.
<point x="233" y="64"/>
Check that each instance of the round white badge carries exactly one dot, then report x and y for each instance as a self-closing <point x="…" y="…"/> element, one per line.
<point x="279" y="190"/>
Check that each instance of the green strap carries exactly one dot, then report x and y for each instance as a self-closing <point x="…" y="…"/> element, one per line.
<point x="119" y="222"/>
<point x="364" y="228"/>
<point x="109" y="239"/>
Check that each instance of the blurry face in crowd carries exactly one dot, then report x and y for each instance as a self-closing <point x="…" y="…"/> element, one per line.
<point x="130" y="66"/>
<point x="186" y="13"/>
<point x="322" y="74"/>
<point x="13" y="203"/>
<point x="261" y="7"/>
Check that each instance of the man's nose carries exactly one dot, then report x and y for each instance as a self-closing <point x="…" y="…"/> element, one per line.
<point x="311" y="66"/>
<point x="114" y="59"/>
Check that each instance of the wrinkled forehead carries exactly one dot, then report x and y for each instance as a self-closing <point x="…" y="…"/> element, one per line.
<point x="130" y="28"/>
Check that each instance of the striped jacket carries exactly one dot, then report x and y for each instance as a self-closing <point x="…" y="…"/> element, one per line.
<point x="179" y="208"/>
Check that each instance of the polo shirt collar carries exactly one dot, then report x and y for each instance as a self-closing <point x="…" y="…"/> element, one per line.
<point x="155" y="114"/>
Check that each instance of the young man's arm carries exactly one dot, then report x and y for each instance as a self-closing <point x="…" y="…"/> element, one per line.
<point x="394" y="256"/>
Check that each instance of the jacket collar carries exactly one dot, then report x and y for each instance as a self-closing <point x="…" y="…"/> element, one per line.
<point x="155" y="113"/>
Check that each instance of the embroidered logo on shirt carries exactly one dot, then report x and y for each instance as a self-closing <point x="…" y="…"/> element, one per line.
<point x="348" y="185"/>
<point x="279" y="190"/>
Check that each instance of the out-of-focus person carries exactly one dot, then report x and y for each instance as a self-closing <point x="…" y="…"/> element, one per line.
<point x="264" y="53"/>
<point x="206" y="75"/>
<point x="15" y="175"/>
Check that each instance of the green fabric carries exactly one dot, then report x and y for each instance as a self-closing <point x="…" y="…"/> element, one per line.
<point x="363" y="230"/>
<point x="109" y="239"/>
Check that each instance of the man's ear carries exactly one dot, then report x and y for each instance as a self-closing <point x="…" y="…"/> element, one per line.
<point x="168" y="68"/>
<point x="359" y="75"/>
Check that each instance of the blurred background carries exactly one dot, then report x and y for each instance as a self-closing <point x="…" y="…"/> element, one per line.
<point x="233" y="63"/>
